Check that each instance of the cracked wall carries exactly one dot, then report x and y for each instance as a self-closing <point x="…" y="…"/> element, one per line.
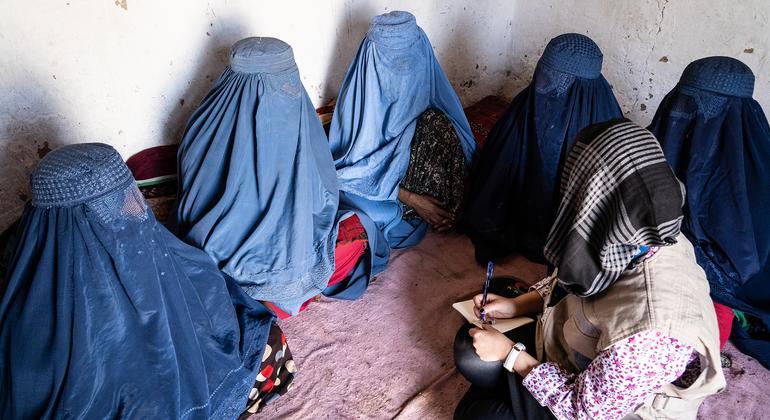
<point x="130" y="72"/>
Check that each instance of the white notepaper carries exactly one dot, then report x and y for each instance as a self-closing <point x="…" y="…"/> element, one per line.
<point x="465" y="308"/>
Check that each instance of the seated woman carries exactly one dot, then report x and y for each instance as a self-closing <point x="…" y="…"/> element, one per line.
<point x="108" y="315"/>
<point x="513" y="194"/>
<point x="625" y="323"/>
<point x="399" y="137"/>
<point x="257" y="188"/>
<point x="717" y="140"/>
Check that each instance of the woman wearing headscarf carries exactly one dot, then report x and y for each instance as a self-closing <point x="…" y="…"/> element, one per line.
<point x="625" y="323"/>
<point x="399" y="137"/>
<point x="258" y="191"/>
<point x="513" y="195"/>
<point x="717" y="140"/>
<point x="108" y="315"/>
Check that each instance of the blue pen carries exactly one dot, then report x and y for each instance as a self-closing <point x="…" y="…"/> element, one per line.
<point x="490" y="271"/>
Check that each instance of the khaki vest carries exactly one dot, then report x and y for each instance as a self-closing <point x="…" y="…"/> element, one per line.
<point x="667" y="292"/>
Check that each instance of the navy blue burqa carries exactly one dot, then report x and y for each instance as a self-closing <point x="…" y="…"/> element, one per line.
<point x="108" y="315"/>
<point x="513" y="194"/>
<point x="717" y="140"/>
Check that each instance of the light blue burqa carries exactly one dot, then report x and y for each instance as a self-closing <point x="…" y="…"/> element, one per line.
<point x="257" y="186"/>
<point x="393" y="79"/>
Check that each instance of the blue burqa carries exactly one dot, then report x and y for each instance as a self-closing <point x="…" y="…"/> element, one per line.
<point x="514" y="192"/>
<point x="393" y="79"/>
<point x="717" y="140"/>
<point x="108" y="315"/>
<point x="258" y="191"/>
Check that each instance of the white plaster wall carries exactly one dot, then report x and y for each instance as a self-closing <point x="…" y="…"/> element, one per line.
<point x="130" y="72"/>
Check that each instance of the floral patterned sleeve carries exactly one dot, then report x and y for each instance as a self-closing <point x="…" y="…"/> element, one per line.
<point x="617" y="380"/>
<point x="543" y="287"/>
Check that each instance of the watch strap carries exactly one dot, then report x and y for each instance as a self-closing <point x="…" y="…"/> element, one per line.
<point x="513" y="355"/>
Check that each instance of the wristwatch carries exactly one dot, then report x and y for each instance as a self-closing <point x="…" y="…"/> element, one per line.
<point x="513" y="355"/>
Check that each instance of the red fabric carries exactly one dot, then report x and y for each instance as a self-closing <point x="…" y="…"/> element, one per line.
<point x="328" y="109"/>
<point x="725" y="322"/>
<point x="153" y="162"/>
<point x="325" y="115"/>
<point x="267" y="371"/>
<point x="350" y="247"/>
<point x="276" y="310"/>
<point x="267" y="386"/>
<point x="483" y="115"/>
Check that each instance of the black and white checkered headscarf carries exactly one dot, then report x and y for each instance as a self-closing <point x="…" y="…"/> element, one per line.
<point x="618" y="193"/>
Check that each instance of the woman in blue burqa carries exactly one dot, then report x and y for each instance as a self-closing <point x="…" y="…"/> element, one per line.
<point x="108" y="315"/>
<point x="257" y="189"/>
<point x="513" y="194"/>
<point x="399" y="137"/>
<point x="717" y="140"/>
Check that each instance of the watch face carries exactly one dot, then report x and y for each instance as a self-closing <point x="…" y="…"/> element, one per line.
<point x="519" y="347"/>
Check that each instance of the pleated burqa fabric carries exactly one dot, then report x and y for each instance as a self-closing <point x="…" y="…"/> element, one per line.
<point x="108" y="315"/>
<point x="717" y="139"/>
<point x="514" y="193"/>
<point x="393" y="79"/>
<point x="258" y="191"/>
